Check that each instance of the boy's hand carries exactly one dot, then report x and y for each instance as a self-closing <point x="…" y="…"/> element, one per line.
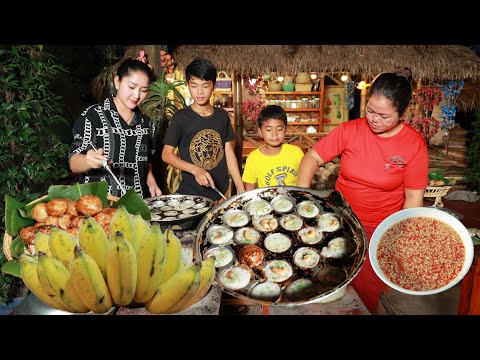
<point x="203" y="177"/>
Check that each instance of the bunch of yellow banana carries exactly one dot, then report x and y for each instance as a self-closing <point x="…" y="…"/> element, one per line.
<point x="136" y="263"/>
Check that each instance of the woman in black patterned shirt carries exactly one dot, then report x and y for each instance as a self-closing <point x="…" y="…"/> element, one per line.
<point x="122" y="134"/>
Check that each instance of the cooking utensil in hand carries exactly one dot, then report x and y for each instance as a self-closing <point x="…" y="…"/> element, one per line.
<point x="219" y="192"/>
<point x="105" y="165"/>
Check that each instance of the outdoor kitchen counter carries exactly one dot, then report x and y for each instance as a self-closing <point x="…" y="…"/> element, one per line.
<point x="212" y="304"/>
<point x="218" y="303"/>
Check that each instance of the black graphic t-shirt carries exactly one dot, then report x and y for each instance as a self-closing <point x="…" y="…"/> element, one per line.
<point x="201" y="141"/>
<point x="130" y="147"/>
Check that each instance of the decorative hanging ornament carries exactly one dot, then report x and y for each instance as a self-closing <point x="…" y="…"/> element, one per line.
<point x="450" y="91"/>
<point x="349" y="101"/>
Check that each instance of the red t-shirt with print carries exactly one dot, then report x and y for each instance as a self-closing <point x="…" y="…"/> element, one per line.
<point x="375" y="170"/>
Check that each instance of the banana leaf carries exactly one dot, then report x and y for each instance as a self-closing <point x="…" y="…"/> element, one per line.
<point x="17" y="247"/>
<point x="13" y="219"/>
<point x="18" y="215"/>
<point x="72" y="192"/>
<point x="134" y="204"/>
<point x="12" y="268"/>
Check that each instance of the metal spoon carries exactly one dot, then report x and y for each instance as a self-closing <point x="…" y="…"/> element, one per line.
<point x="105" y="165"/>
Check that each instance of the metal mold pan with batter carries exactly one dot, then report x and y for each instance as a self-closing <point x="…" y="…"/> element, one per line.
<point x="288" y="280"/>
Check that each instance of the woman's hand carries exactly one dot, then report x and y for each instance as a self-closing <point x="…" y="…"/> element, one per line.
<point x="94" y="159"/>
<point x="154" y="190"/>
<point x="152" y="183"/>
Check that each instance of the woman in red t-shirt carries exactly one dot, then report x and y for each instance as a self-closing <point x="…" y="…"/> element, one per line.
<point x="384" y="165"/>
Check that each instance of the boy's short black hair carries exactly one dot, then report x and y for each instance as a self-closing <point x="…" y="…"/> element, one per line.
<point x="202" y="69"/>
<point x="271" y="112"/>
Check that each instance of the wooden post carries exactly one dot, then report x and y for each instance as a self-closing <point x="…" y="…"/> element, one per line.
<point x="363" y="100"/>
<point x="238" y="122"/>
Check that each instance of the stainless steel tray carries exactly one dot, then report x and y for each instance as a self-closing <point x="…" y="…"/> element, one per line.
<point x="328" y="201"/>
<point x="162" y="216"/>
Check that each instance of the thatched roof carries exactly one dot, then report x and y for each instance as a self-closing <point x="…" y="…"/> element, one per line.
<point x="469" y="98"/>
<point x="427" y="62"/>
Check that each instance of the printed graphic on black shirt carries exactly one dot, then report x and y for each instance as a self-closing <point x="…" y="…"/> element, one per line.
<point x="206" y="149"/>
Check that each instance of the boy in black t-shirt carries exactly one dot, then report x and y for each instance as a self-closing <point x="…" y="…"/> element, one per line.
<point x="204" y="136"/>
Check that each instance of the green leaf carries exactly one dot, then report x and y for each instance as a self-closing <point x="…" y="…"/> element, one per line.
<point x="12" y="268"/>
<point x="73" y="192"/>
<point x="14" y="221"/>
<point x="476" y="240"/>
<point x="17" y="247"/>
<point x="134" y="204"/>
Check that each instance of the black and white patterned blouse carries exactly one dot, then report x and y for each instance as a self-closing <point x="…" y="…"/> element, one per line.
<point x="130" y="147"/>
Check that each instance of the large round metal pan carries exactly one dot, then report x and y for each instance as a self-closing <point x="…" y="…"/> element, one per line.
<point x="329" y="201"/>
<point x="162" y="216"/>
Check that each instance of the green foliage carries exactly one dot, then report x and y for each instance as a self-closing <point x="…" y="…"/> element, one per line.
<point x="159" y="97"/>
<point x="30" y="154"/>
<point x="473" y="154"/>
<point x="438" y="175"/>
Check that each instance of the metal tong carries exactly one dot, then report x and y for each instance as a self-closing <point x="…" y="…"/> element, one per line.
<point x="105" y="165"/>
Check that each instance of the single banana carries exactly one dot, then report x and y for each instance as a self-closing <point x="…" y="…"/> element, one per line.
<point x="89" y="282"/>
<point x="150" y="264"/>
<point x="41" y="243"/>
<point x="176" y="291"/>
<point x="61" y="245"/>
<point x="94" y="242"/>
<point x="173" y="258"/>
<point x="141" y="228"/>
<point x="123" y="221"/>
<point x="55" y="278"/>
<point x="207" y="275"/>
<point x="28" y="271"/>
<point x="121" y="270"/>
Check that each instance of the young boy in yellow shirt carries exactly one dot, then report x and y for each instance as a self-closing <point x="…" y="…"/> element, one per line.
<point x="275" y="163"/>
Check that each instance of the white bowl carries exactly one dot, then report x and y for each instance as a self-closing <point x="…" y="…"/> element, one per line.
<point x="421" y="212"/>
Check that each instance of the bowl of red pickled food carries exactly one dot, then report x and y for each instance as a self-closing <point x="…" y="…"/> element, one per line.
<point x="421" y="251"/>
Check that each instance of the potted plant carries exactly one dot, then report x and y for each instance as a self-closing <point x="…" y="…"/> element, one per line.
<point x="250" y="110"/>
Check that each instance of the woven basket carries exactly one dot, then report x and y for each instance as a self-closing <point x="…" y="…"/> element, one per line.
<point x="434" y="191"/>
<point x="437" y="192"/>
<point x="7" y="239"/>
<point x="303" y="87"/>
<point x="274" y="86"/>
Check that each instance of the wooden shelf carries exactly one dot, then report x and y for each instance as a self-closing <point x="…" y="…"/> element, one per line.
<point x="312" y="115"/>
<point x="288" y="135"/>
<point x="219" y="93"/>
<point x="293" y="92"/>
<point x="301" y="109"/>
